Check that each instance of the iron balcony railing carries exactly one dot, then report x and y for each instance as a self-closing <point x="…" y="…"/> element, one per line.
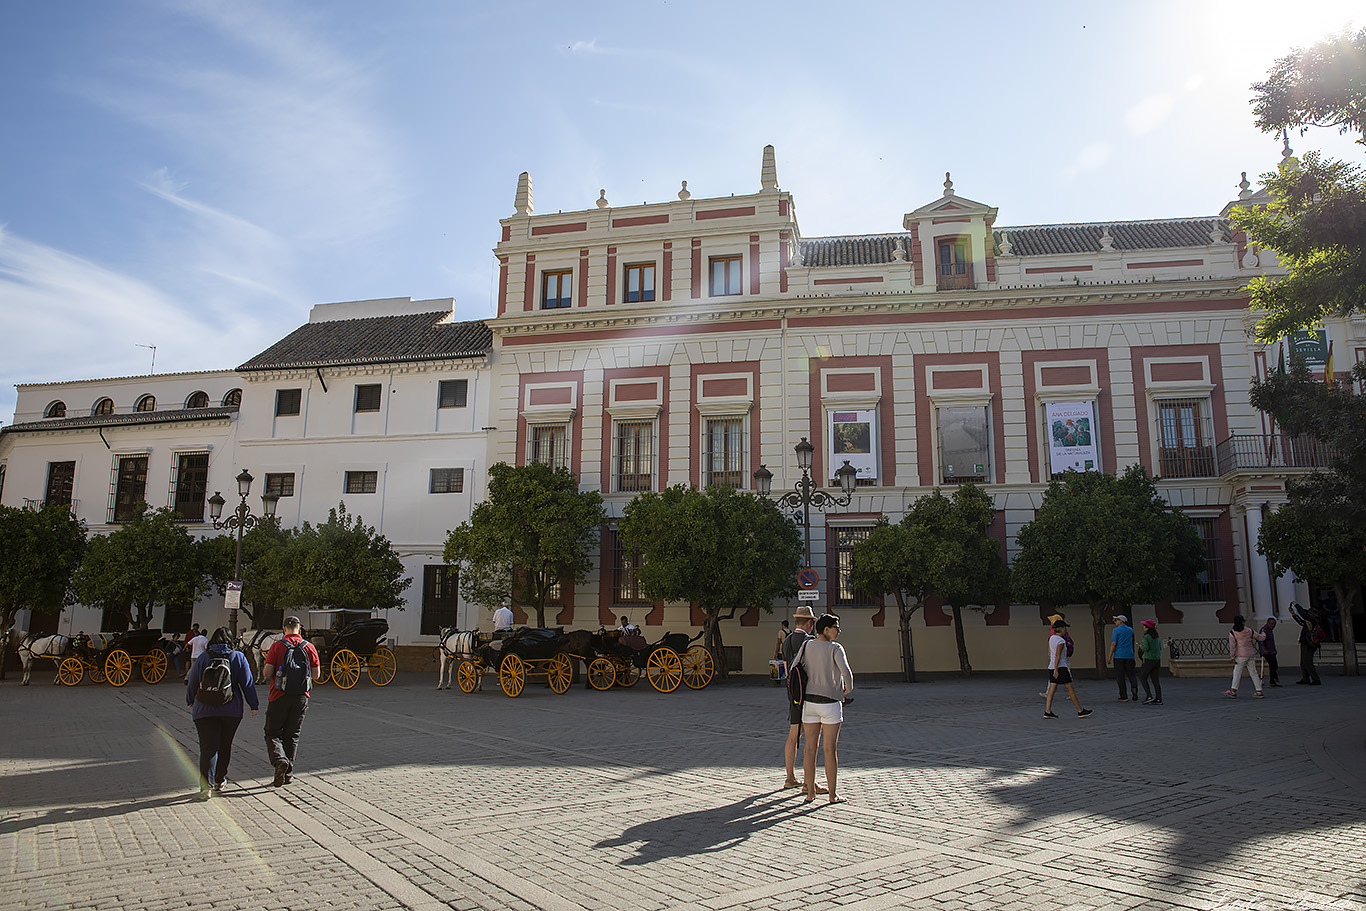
<point x="954" y="277"/>
<point x="1197" y="648"/>
<point x="1252" y="451"/>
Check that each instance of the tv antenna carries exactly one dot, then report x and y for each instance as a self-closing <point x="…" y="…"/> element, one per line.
<point x="154" y="356"/>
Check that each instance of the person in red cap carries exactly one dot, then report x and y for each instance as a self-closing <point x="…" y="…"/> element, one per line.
<point x="1060" y="672"/>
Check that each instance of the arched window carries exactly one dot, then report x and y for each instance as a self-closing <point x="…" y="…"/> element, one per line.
<point x="103" y="406"/>
<point x="55" y="410"/>
<point x="233" y="399"/>
<point x="197" y="400"/>
<point x="146" y="403"/>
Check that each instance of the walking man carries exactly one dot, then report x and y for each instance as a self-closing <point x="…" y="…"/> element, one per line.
<point x="1122" y="657"/>
<point x="1060" y="672"/>
<point x="291" y="666"/>
<point x="1268" y="645"/>
<point x="1310" y="637"/>
<point x="805" y="621"/>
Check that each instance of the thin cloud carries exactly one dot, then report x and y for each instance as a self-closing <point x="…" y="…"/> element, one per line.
<point x="1145" y="116"/>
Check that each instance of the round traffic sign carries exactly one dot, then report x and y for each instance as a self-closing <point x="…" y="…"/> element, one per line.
<point x="807" y="578"/>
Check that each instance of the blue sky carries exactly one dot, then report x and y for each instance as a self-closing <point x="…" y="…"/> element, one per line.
<point x="195" y="175"/>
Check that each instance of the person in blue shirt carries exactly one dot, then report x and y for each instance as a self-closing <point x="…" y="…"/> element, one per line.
<point x="217" y="724"/>
<point x="1122" y="657"/>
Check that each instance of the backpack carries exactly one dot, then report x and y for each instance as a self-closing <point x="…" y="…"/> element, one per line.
<point x="295" y="674"/>
<point x="796" y="677"/>
<point x="215" y="683"/>
<point x="1071" y="647"/>
<point x="1318" y="636"/>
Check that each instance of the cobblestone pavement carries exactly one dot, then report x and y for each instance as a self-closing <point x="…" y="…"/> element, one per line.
<point x="961" y="796"/>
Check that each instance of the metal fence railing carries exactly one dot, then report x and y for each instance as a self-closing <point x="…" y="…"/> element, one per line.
<point x="1197" y="648"/>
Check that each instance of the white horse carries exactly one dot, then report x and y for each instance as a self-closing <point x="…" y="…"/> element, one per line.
<point x="255" y="644"/>
<point x="455" y="646"/>
<point x="30" y="647"/>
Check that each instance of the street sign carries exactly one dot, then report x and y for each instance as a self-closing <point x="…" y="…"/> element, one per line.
<point x="807" y="578"/>
<point x="233" y="599"/>
<point x="808" y="594"/>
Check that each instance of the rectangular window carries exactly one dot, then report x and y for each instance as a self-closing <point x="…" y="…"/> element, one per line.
<point x="555" y="289"/>
<point x="191" y="483"/>
<point x="845" y="594"/>
<point x="60" y="478"/>
<point x="130" y="488"/>
<point x="1184" y="439"/>
<point x="635" y="456"/>
<point x="640" y="283"/>
<point x="955" y="272"/>
<point x="724" y="461"/>
<point x="440" y="599"/>
<point x="452" y="393"/>
<point x="548" y="443"/>
<point x="1209" y="584"/>
<point x="964" y="444"/>
<point x="624" y="564"/>
<point x="282" y="485"/>
<point x="362" y="481"/>
<point x="288" y="401"/>
<point x="554" y="593"/>
<point x="446" y="480"/>
<point x="725" y="275"/>
<point x="368" y="397"/>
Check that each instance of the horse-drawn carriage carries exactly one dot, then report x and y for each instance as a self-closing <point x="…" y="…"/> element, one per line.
<point x="346" y="646"/>
<point x="623" y="658"/>
<point x="514" y="657"/>
<point x="114" y="662"/>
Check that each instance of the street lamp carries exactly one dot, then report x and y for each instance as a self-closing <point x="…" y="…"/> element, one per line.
<point x="240" y="519"/>
<point x="806" y="494"/>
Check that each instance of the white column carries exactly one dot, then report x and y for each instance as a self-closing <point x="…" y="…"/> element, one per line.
<point x="1286" y="591"/>
<point x="1258" y="571"/>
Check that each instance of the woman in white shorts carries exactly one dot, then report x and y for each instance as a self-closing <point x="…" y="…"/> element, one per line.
<point x="829" y="683"/>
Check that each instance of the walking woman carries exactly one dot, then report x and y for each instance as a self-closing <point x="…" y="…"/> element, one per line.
<point x="219" y="682"/>
<point x="1242" y="649"/>
<point x="829" y="683"/>
<point x="1150" y="650"/>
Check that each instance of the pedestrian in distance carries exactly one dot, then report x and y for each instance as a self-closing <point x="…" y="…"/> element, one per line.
<point x="1267" y="645"/>
<point x="198" y="643"/>
<point x="1311" y="635"/>
<point x="805" y="621"/>
<point x="1242" y="650"/>
<point x="829" y="687"/>
<point x="183" y="656"/>
<point x="291" y="666"/>
<point x="219" y="683"/>
<point x="1122" y="657"/>
<point x="502" y="620"/>
<point x="1060" y="672"/>
<point x="1150" y="650"/>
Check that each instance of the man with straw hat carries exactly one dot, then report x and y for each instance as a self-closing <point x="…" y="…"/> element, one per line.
<point x="805" y="622"/>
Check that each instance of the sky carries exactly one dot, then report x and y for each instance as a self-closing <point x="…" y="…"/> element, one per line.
<point x="194" y="175"/>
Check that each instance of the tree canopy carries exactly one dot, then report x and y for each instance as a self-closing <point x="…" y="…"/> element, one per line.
<point x="536" y="528"/>
<point x="338" y="563"/>
<point x="42" y="549"/>
<point x="724" y="550"/>
<point x="263" y="572"/>
<point x="1320" y="86"/>
<point x="1106" y="542"/>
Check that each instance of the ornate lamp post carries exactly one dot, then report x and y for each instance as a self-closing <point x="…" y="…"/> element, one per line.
<point x="806" y="494"/>
<point x="242" y="520"/>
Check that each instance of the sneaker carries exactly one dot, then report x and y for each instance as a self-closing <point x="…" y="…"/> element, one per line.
<point x="218" y="789"/>
<point x="1123" y="698"/>
<point x="1134" y="696"/>
<point x="204" y="794"/>
<point x="282" y="770"/>
<point x="1049" y="715"/>
<point x="1232" y="694"/>
<point x="288" y="778"/>
<point x="1149" y="701"/>
<point x="1257" y="695"/>
<point x="1157" y="702"/>
<point x="1083" y="713"/>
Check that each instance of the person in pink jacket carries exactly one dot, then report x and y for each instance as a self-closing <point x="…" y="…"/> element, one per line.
<point x="1242" y="648"/>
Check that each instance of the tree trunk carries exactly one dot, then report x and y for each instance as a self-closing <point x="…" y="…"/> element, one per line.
<point x="1098" y="612"/>
<point x="907" y="646"/>
<point x="711" y="627"/>
<point x="963" y="664"/>
<point x="144" y="616"/>
<point x="1349" y="636"/>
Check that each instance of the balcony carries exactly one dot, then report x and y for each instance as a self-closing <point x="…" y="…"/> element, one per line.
<point x="954" y="277"/>
<point x="1276" y="452"/>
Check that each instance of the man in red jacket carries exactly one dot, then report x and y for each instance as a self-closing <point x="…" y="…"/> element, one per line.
<point x="288" y="698"/>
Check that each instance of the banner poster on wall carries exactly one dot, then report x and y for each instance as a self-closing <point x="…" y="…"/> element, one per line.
<point x="853" y="439"/>
<point x="1071" y="436"/>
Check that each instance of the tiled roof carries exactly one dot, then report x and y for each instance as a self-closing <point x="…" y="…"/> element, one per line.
<point x="870" y="249"/>
<point x="376" y="340"/>
<point x="124" y="419"/>
<point x="1039" y="240"/>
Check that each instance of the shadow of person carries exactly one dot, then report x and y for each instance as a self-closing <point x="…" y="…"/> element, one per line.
<point x="702" y="831"/>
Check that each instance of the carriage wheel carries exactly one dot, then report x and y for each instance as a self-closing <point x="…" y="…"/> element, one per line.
<point x="382" y="666"/>
<point x="118" y="667"/>
<point x="467" y="675"/>
<point x="697" y="667"/>
<point x="70" y="671"/>
<point x="628" y="674"/>
<point x="601" y="674"/>
<point x="345" y="668"/>
<point x="95" y="670"/>
<point x="664" y="669"/>
<point x="559" y="673"/>
<point x="512" y="675"/>
<point x="153" y="666"/>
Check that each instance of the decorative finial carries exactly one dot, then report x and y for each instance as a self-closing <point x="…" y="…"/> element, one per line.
<point x="683" y="193"/>
<point x="1216" y="233"/>
<point x="1005" y="244"/>
<point x="948" y="184"/>
<point x="1244" y="190"/>
<point x="1107" y="243"/>
<point x="1288" y="160"/>
<point x="602" y="199"/>
<point x="768" y="175"/>
<point x="899" y="254"/>
<point x="523" y="201"/>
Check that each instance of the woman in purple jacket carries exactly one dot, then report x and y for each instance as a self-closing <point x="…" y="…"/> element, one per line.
<point x="217" y="724"/>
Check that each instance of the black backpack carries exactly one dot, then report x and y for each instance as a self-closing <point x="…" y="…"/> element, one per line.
<point x="215" y="683"/>
<point x="295" y="674"/>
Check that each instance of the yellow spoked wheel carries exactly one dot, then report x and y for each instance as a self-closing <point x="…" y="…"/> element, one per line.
<point x="664" y="669"/>
<point x="627" y="674"/>
<point x="118" y="667"/>
<point x="467" y="675"/>
<point x="512" y="675"/>
<point x="95" y="670"/>
<point x="559" y="673"/>
<point x="381" y="666"/>
<point x="153" y="666"/>
<point x="601" y="674"/>
<point x="345" y="666"/>
<point x="698" y="668"/>
<point x="70" y="671"/>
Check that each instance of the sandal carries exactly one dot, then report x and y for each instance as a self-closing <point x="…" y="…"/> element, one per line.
<point x="839" y="799"/>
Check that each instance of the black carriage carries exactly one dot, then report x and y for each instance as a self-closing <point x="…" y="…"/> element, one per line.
<point x="623" y="658"/>
<point x="515" y="657"/>
<point x="348" y="645"/>
<point x="114" y="662"/>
